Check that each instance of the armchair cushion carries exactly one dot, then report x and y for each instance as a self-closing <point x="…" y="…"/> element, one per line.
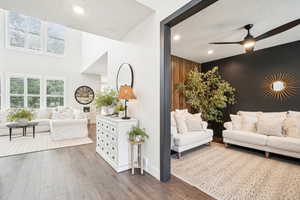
<point x="191" y="137"/>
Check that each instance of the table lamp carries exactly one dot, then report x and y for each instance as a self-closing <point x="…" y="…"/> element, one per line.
<point x="126" y="93"/>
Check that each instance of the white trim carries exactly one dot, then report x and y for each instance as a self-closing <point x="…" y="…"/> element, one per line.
<point x="43" y="40"/>
<point x="45" y="89"/>
<point x="2" y="92"/>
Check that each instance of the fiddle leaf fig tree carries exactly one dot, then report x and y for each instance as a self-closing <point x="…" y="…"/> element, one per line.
<point x="207" y="93"/>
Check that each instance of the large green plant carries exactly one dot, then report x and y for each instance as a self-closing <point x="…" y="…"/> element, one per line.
<point x="20" y="114"/>
<point x="207" y="93"/>
<point x="106" y="98"/>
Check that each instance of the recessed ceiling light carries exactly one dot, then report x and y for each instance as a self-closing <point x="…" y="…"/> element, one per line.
<point x="78" y="10"/>
<point x="210" y="52"/>
<point x="176" y="37"/>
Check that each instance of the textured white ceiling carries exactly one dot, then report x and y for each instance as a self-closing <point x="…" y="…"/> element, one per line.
<point x="108" y="18"/>
<point x="222" y="21"/>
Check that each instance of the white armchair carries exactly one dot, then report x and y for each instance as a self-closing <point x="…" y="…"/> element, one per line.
<point x="181" y="142"/>
<point x="68" y="129"/>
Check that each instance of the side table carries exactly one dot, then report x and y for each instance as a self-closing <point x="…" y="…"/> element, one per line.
<point x="139" y="163"/>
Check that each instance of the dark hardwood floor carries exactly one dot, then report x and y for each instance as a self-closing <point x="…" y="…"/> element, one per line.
<point x="78" y="173"/>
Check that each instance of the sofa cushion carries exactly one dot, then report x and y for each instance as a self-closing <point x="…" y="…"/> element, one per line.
<point x="284" y="143"/>
<point x="246" y="137"/>
<point x="43" y="113"/>
<point x="281" y="115"/>
<point x="249" y="113"/>
<point x="180" y="122"/>
<point x="173" y="122"/>
<point x="293" y="114"/>
<point x="292" y="127"/>
<point x="271" y="126"/>
<point x="249" y="123"/>
<point x="194" y="122"/>
<point x="236" y="122"/>
<point x="42" y="122"/>
<point x="191" y="137"/>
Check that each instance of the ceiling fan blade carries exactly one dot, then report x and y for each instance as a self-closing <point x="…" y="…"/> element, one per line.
<point x="225" y="43"/>
<point x="278" y="30"/>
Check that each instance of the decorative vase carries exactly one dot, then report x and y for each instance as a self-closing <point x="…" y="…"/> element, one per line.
<point x="107" y="110"/>
<point x="22" y="121"/>
<point x="138" y="138"/>
<point x="121" y="114"/>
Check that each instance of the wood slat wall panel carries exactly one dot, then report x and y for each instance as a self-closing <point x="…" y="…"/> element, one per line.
<point x="180" y="69"/>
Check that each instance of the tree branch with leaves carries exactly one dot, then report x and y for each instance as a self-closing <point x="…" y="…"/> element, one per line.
<point x="207" y="93"/>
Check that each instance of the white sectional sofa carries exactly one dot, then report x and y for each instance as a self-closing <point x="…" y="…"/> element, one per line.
<point x="277" y="133"/>
<point x="182" y="140"/>
<point x="61" y="122"/>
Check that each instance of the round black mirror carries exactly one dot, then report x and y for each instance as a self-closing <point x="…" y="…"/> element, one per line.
<point x="125" y="76"/>
<point x="84" y="95"/>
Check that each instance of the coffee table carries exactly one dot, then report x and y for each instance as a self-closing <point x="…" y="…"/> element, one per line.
<point x="15" y="125"/>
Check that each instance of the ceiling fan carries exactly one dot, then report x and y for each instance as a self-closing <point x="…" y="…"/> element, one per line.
<point x="249" y="41"/>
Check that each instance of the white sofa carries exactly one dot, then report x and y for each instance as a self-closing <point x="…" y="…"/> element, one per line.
<point x="181" y="142"/>
<point x="283" y="144"/>
<point x="61" y="122"/>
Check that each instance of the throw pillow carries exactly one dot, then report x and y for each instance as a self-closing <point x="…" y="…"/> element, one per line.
<point x="194" y="122"/>
<point x="270" y="126"/>
<point x="236" y="122"/>
<point x="292" y="114"/>
<point x="180" y="122"/>
<point x="43" y="114"/>
<point x="249" y="113"/>
<point x="291" y="127"/>
<point x="249" y="123"/>
<point x="274" y="114"/>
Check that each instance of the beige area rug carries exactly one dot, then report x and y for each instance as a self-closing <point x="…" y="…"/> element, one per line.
<point x="41" y="142"/>
<point x="239" y="174"/>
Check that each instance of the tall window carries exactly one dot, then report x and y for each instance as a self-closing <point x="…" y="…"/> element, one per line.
<point x="24" y="32"/>
<point x="28" y="33"/>
<point x="55" y="39"/>
<point x="24" y="92"/>
<point x="55" y="92"/>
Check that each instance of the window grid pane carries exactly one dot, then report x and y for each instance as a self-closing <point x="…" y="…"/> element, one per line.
<point x="33" y="86"/>
<point x="16" y="101"/>
<point x="17" y="86"/>
<point x="33" y="101"/>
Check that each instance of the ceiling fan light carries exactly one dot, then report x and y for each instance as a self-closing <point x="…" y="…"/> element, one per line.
<point x="249" y="44"/>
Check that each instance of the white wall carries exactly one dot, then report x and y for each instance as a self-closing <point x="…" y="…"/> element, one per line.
<point x="69" y="66"/>
<point x="141" y="48"/>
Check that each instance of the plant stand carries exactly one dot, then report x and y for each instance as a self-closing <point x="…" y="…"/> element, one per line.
<point x="139" y="163"/>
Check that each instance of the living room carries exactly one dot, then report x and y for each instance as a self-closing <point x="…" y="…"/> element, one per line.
<point x="236" y="106"/>
<point x="92" y="44"/>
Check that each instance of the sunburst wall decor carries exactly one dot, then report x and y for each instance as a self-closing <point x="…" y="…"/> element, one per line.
<point x="280" y="86"/>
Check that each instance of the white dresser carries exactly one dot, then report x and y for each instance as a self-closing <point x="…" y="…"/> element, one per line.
<point x="112" y="141"/>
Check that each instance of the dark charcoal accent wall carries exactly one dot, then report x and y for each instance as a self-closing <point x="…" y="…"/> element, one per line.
<point x="246" y="73"/>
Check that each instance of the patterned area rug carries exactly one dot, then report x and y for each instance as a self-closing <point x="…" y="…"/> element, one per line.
<point x="239" y="174"/>
<point x="41" y="142"/>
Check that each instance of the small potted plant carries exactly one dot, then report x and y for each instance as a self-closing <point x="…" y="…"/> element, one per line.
<point x="137" y="134"/>
<point x="21" y="116"/>
<point x="119" y="109"/>
<point x="106" y="100"/>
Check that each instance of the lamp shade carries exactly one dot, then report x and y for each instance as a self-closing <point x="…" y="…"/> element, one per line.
<point x="126" y="92"/>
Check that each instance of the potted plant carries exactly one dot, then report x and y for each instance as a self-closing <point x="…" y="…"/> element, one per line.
<point x="106" y="100"/>
<point x="119" y="109"/>
<point x="137" y="134"/>
<point x="208" y="93"/>
<point x="21" y="116"/>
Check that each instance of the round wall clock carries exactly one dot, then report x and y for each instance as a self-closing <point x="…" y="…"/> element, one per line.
<point x="84" y="95"/>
